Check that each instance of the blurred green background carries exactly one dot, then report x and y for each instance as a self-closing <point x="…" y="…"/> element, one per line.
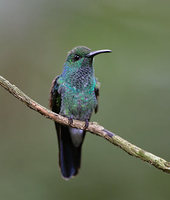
<point x="35" y="37"/>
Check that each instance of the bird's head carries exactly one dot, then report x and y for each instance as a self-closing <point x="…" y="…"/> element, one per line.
<point x="82" y="56"/>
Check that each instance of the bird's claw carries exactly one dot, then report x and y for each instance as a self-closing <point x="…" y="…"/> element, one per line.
<point x="70" y="120"/>
<point x="86" y="124"/>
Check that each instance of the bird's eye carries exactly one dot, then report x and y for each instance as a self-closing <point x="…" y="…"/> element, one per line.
<point x="76" y="57"/>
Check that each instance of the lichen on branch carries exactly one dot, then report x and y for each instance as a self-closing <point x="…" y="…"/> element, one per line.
<point x="93" y="127"/>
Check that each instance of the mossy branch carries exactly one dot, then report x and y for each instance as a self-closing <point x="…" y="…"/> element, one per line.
<point x="93" y="127"/>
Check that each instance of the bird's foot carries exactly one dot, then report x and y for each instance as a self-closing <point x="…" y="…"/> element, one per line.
<point x="70" y="120"/>
<point x="86" y="124"/>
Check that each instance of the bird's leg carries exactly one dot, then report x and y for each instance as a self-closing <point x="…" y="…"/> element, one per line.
<point x="86" y="124"/>
<point x="70" y="120"/>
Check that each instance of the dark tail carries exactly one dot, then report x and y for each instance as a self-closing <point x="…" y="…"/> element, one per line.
<point x="69" y="155"/>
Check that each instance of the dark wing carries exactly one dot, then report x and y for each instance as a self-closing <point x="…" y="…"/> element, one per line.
<point x="55" y="97"/>
<point x="69" y="155"/>
<point x="96" y="90"/>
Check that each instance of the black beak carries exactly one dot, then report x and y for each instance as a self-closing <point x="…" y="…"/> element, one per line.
<point x="94" y="53"/>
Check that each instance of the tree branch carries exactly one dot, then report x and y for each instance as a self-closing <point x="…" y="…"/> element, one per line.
<point x="93" y="127"/>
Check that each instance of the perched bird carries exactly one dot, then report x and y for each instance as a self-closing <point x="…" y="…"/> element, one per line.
<point x="74" y="94"/>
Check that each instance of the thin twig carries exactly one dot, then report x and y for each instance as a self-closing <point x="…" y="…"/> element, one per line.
<point x="93" y="127"/>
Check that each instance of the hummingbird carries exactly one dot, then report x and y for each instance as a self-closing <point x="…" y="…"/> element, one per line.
<point x="74" y="94"/>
